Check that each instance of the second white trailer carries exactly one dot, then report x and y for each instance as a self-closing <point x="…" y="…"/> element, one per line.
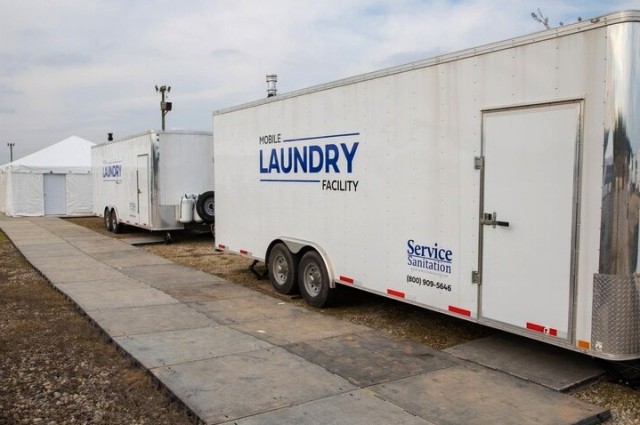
<point x="497" y="184"/>
<point x="150" y="180"/>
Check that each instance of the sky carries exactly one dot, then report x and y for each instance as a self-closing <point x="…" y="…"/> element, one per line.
<point x="90" y="67"/>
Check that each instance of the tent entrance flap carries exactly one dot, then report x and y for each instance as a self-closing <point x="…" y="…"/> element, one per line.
<point x="55" y="194"/>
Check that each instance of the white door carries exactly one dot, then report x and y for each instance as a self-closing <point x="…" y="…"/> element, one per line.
<point x="142" y="187"/>
<point x="55" y="194"/>
<point x="530" y="181"/>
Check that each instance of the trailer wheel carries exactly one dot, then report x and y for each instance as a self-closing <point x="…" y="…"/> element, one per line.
<point x="107" y="219"/>
<point x="115" y="226"/>
<point x="313" y="280"/>
<point x="283" y="265"/>
<point x="205" y="206"/>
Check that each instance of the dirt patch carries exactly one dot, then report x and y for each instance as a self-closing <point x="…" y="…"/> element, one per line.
<point x="57" y="368"/>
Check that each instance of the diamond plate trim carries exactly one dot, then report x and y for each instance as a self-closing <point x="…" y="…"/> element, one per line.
<point x="615" y="327"/>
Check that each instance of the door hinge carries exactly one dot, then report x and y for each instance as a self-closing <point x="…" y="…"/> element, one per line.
<point x="478" y="162"/>
<point x="475" y="277"/>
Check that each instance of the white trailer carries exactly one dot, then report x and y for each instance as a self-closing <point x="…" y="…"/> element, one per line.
<point x="498" y="184"/>
<point x="154" y="180"/>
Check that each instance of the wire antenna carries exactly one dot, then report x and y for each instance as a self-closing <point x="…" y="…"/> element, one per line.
<point x="540" y="18"/>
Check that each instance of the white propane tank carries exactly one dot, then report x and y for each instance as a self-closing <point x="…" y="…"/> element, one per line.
<point x="187" y="202"/>
<point x="196" y="216"/>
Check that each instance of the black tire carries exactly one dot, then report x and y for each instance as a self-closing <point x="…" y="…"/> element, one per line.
<point x="115" y="226"/>
<point x="205" y="206"/>
<point x="107" y="219"/>
<point x="283" y="269"/>
<point x="313" y="280"/>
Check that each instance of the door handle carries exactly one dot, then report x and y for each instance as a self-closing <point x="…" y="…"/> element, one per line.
<point x="491" y="219"/>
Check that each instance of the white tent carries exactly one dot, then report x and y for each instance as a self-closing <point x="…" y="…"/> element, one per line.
<point x="53" y="181"/>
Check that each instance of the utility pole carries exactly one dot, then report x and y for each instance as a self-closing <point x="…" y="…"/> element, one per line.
<point x="164" y="106"/>
<point x="11" y="145"/>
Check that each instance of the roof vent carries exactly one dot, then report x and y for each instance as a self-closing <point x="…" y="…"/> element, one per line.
<point x="272" y="79"/>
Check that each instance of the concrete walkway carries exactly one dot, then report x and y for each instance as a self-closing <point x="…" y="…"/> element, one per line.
<point x="236" y="356"/>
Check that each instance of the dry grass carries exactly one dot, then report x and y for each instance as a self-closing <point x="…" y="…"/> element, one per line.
<point x="57" y="368"/>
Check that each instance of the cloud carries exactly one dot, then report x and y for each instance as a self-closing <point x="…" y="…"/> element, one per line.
<point x="89" y="67"/>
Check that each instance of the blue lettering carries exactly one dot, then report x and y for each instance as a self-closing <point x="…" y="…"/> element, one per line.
<point x="112" y="171"/>
<point x="349" y="155"/>
<point x="315" y="167"/>
<point x="263" y="169"/>
<point x="411" y="249"/>
<point x="273" y="162"/>
<point x="329" y="158"/>
<point x="417" y="254"/>
<point x="285" y="161"/>
<point x="300" y="159"/>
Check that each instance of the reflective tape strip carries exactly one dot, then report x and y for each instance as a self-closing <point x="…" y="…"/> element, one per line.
<point x="541" y="329"/>
<point x="221" y="246"/>
<point x="395" y="293"/>
<point x="459" y="310"/>
<point x="244" y="252"/>
<point x="346" y="279"/>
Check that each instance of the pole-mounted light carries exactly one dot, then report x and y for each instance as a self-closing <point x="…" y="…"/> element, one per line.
<point x="11" y="145"/>
<point x="164" y="106"/>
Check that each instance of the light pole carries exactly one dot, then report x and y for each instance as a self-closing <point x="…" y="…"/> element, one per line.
<point x="164" y="106"/>
<point x="11" y="145"/>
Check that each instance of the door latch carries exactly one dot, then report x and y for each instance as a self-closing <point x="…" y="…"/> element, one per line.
<point x="491" y="219"/>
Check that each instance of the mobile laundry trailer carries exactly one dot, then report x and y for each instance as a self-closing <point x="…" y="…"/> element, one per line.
<point x="498" y="184"/>
<point x="158" y="180"/>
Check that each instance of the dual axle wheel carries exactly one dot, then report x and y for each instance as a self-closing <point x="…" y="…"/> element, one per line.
<point x="289" y="273"/>
<point x="111" y="221"/>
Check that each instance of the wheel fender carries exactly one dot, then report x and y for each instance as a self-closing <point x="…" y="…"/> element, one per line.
<point x="108" y="209"/>
<point x="116" y="211"/>
<point x="298" y="245"/>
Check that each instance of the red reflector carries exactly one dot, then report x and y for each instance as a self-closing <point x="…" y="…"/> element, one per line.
<point x="395" y="293"/>
<point x="221" y="246"/>
<point x="346" y="280"/>
<point x="459" y="310"/>
<point x="244" y="252"/>
<point x="542" y="329"/>
<point x="534" y="327"/>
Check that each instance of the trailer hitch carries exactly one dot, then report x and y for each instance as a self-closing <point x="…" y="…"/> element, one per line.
<point x="491" y="219"/>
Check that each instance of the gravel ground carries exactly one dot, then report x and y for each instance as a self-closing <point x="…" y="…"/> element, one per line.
<point x="56" y="368"/>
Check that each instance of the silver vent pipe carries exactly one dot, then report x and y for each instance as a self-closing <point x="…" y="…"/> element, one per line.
<point x="272" y="79"/>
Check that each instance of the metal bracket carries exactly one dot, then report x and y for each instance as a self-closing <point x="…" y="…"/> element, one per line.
<point x="475" y="277"/>
<point x="478" y="162"/>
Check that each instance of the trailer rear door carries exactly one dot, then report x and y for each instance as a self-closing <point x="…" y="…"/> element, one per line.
<point x="528" y="227"/>
<point x="142" y="187"/>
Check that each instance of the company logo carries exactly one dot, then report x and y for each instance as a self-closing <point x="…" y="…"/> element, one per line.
<point x="304" y="160"/>
<point x="429" y="257"/>
<point x="112" y="171"/>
